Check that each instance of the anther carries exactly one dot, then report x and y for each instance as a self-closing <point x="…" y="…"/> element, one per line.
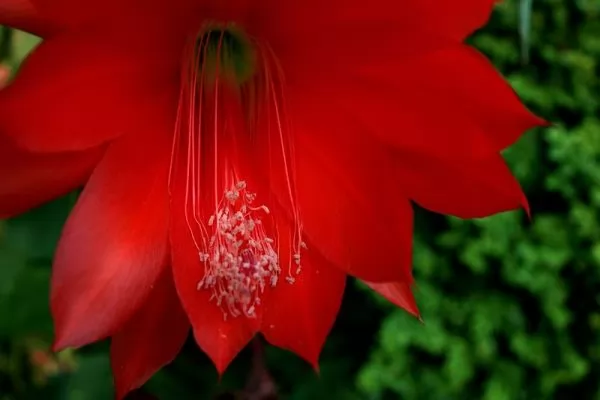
<point x="241" y="259"/>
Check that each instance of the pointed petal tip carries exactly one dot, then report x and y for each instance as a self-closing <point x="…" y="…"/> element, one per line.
<point x="143" y="346"/>
<point x="539" y="122"/>
<point x="415" y="313"/>
<point x="130" y="392"/>
<point x="122" y="392"/>
<point x="525" y="205"/>
<point x="317" y="368"/>
<point x="64" y="342"/>
<point x="413" y="308"/>
<point x="74" y="335"/>
<point x="312" y="359"/>
<point x="527" y="210"/>
<point x="220" y="368"/>
<point x="531" y="120"/>
<point x="61" y="343"/>
<point x="56" y="346"/>
<point x="399" y="293"/>
<point x="69" y="333"/>
<point x="220" y="356"/>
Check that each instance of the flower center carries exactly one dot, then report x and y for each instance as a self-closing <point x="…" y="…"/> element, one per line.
<point x="232" y="134"/>
<point x="225" y="50"/>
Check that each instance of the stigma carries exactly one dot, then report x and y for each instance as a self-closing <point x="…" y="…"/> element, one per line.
<point x="233" y="141"/>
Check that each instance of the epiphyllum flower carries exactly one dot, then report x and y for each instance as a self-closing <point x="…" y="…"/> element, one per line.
<point x="240" y="158"/>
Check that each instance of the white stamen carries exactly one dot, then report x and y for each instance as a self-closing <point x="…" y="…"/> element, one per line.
<point x="240" y="259"/>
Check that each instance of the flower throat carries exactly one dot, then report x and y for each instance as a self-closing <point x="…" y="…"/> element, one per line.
<point x="227" y="52"/>
<point x="232" y="146"/>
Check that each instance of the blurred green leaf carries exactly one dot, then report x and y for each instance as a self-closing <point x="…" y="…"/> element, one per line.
<point x="92" y="379"/>
<point x="24" y="310"/>
<point x="11" y="265"/>
<point x="525" y="14"/>
<point x="38" y="231"/>
<point x="510" y="305"/>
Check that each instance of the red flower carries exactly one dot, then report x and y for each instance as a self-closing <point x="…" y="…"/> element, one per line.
<point x="254" y="151"/>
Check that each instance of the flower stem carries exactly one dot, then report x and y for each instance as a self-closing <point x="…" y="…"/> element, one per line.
<point x="260" y="384"/>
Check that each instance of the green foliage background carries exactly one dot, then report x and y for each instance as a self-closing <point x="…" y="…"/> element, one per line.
<point x="511" y="307"/>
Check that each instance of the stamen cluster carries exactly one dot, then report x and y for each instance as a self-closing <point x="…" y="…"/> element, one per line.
<point x="240" y="260"/>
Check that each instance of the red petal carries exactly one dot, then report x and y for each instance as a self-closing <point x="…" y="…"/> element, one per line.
<point x="28" y="180"/>
<point x="114" y="244"/>
<point x="463" y="188"/>
<point x="283" y="22"/>
<point x="456" y="19"/>
<point x="151" y="339"/>
<point x="307" y="56"/>
<point x="398" y="293"/>
<point x="404" y="121"/>
<point x="353" y="213"/>
<point x="221" y="339"/>
<point x="83" y="91"/>
<point x="44" y="17"/>
<point x="24" y="15"/>
<point x="49" y="17"/>
<point x="356" y="35"/>
<point x="299" y="316"/>
<point x="455" y="94"/>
